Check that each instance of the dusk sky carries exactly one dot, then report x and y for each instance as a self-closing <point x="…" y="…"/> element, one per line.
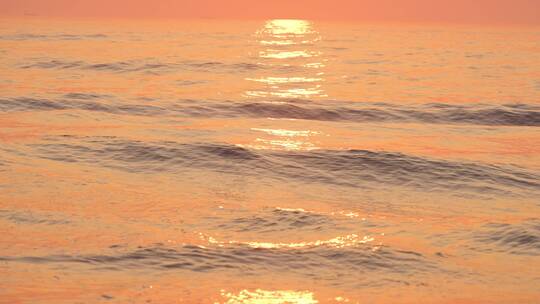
<point x="478" y="11"/>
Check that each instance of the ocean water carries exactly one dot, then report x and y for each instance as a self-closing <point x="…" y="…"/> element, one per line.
<point x="278" y="161"/>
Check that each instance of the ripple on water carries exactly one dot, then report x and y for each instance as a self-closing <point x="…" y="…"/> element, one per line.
<point x="33" y="218"/>
<point x="348" y="260"/>
<point x="519" y="239"/>
<point x="276" y="220"/>
<point x="26" y="37"/>
<point x="284" y="221"/>
<point x="143" y="66"/>
<point x="355" y="265"/>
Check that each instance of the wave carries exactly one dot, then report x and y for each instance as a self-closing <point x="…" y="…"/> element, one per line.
<point x="357" y="265"/>
<point x="25" y="37"/>
<point x="352" y="168"/>
<point x="147" y="66"/>
<point x="521" y="239"/>
<point x="478" y="114"/>
<point x="277" y="220"/>
<point x="20" y="217"/>
<point x="516" y="114"/>
<point x="78" y="101"/>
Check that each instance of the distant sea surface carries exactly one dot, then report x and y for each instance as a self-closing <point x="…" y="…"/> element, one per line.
<point x="278" y="161"/>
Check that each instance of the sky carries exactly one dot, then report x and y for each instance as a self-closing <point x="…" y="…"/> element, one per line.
<point x="458" y="11"/>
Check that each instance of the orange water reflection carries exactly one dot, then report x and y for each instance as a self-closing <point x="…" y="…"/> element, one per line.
<point x="105" y="206"/>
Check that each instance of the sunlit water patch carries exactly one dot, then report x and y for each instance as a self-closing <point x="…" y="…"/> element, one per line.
<point x="289" y="43"/>
<point x="261" y="296"/>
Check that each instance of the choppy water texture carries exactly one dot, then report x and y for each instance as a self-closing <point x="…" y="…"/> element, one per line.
<point x="280" y="161"/>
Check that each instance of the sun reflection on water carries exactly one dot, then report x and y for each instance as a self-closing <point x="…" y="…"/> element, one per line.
<point x="287" y="144"/>
<point x="260" y="296"/>
<point x="275" y="80"/>
<point x="274" y="42"/>
<point x="278" y="54"/>
<point x="289" y="50"/>
<point x="337" y="242"/>
<point x="287" y="27"/>
<point x="281" y="139"/>
<point x="288" y="93"/>
<point x="290" y="133"/>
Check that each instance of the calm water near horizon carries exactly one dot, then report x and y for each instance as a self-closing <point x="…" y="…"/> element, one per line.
<point x="278" y="161"/>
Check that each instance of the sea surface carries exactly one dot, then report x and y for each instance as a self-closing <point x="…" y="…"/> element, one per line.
<point x="277" y="161"/>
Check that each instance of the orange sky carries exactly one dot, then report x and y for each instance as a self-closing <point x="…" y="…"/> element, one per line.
<point x="475" y="11"/>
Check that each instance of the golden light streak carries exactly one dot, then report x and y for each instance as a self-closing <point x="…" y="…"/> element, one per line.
<point x="261" y="296"/>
